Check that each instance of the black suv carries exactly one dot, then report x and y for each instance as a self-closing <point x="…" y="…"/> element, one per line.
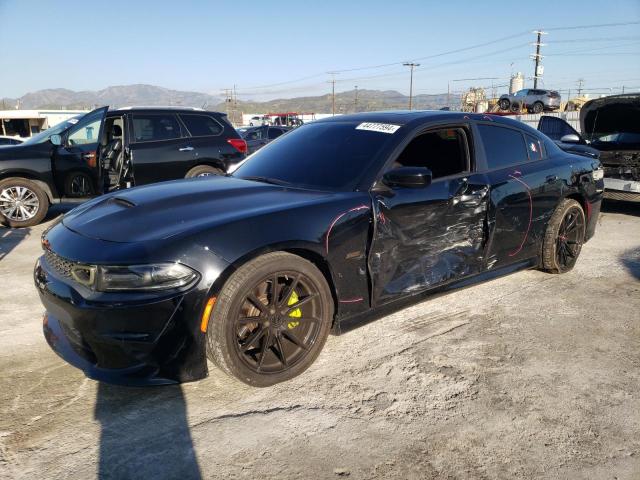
<point x="106" y="150"/>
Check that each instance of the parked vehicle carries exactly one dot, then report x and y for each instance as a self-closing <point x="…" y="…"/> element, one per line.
<point x="565" y="136"/>
<point x="337" y="218"/>
<point x="534" y="100"/>
<point x="609" y="126"/>
<point x="259" y="120"/>
<point x="258" y="137"/>
<point x="103" y="151"/>
<point x="7" y="140"/>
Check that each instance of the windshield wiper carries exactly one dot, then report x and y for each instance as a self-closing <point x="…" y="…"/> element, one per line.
<point x="272" y="181"/>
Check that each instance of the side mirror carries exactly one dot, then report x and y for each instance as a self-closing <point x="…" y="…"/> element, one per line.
<point x="56" y="139"/>
<point x="570" y="138"/>
<point x="408" y="177"/>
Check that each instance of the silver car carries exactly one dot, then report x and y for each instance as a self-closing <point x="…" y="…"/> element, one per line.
<point x="534" y="100"/>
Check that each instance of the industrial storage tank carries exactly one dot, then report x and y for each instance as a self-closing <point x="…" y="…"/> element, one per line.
<point x="516" y="83"/>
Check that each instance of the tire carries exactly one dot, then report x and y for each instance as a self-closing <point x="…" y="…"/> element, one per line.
<point x="32" y="198"/>
<point x="203" y="171"/>
<point x="275" y="347"/>
<point x="538" y="107"/>
<point x="515" y="107"/>
<point x="79" y="185"/>
<point x="558" y="237"/>
<point x="505" y="104"/>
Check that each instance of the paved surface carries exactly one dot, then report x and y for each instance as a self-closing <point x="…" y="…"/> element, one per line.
<point x="528" y="376"/>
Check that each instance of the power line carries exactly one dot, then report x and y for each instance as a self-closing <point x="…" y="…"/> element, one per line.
<point x="597" y="25"/>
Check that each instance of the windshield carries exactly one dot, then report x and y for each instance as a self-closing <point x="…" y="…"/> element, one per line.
<point x="55" y="130"/>
<point x="619" y="138"/>
<point x="323" y="156"/>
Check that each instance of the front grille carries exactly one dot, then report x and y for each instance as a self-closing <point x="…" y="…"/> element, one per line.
<point x="59" y="264"/>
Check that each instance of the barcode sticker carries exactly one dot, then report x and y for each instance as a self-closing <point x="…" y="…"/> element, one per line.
<point x="378" y="127"/>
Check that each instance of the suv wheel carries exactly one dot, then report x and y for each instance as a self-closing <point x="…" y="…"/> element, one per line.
<point x="203" y="171"/>
<point x="271" y="319"/>
<point x="22" y="203"/>
<point x="538" y="107"/>
<point x="505" y="104"/>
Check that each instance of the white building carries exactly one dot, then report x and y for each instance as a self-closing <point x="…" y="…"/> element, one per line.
<point x="25" y="123"/>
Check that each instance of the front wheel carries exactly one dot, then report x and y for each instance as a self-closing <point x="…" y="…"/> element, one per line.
<point x="564" y="237"/>
<point x="22" y="203"/>
<point x="270" y="320"/>
<point x="504" y="104"/>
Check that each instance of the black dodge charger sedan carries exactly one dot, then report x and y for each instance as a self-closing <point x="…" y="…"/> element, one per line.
<point x="310" y="235"/>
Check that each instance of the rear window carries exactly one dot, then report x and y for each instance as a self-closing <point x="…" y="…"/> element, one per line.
<point x="503" y="146"/>
<point x="201" y="125"/>
<point x="153" y="127"/>
<point x="325" y="156"/>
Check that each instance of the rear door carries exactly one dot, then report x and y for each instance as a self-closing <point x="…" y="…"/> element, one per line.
<point x="159" y="147"/>
<point x="426" y="237"/>
<point x="525" y="190"/>
<point x="256" y="138"/>
<point x="75" y="162"/>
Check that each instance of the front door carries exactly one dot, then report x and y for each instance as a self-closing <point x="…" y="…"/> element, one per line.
<point x="75" y="163"/>
<point x="425" y="237"/>
<point x="555" y="128"/>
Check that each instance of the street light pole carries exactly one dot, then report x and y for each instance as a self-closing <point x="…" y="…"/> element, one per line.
<point x="411" y="65"/>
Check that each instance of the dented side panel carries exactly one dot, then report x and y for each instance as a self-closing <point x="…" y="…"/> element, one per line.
<point x="426" y="237"/>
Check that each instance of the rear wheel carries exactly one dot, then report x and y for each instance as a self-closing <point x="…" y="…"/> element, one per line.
<point x="538" y="107"/>
<point x="564" y="237"/>
<point x="79" y="185"/>
<point x="505" y="104"/>
<point x="270" y="320"/>
<point x="203" y="171"/>
<point x="22" y="203"/>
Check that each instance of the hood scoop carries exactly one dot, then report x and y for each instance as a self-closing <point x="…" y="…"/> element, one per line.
<point x="122" y="202"/>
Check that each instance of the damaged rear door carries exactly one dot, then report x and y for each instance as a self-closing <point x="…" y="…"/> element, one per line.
<point x="428" y="236"/>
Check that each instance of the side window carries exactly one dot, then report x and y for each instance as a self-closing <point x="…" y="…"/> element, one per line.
<point x="153" y="127"/>
<point x="503" y="146"/>
<point x="555" y="128"/>
<point x="254" y="134"/>
<point x="86" y="130"/>
<point x="201" y="125"/>
<point x="444" y="152"/>
<point x="521" y="93"/>
<point x="274" y="133"/>
<point x="534" y="148"/>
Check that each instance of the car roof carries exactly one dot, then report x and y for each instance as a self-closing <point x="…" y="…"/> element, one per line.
<point x="156" y="108"/>
<point x="403" y="117"/>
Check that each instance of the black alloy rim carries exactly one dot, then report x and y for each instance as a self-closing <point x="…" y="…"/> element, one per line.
<point x="570" y="236"/>
<point x="278" y="322"/>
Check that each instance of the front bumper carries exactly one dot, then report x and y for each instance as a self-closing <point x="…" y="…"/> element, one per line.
<point x="125" y="338"/>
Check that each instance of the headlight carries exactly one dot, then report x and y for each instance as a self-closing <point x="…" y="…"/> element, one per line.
<point x="598" y="174"/>
<point x="161" y="276"/>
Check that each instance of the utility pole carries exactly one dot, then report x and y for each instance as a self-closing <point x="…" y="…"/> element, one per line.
<point x="355" y="106"/>
<point x="333" y="92"/>
<point x="411" y="65"/>
<point x="539" y="69"/>
<point x="228" y="93"/>
<point x="448" y="94"/>
<point x="580" y="83"/>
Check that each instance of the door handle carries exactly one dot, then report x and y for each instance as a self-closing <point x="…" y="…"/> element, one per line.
<point x="185" y="149"/>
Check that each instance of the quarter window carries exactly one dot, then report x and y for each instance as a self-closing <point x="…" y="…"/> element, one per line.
<point x="503" y="146"/>
<point x="534" y="148"/>
<point x="201" y="125"/>
<point x="155" y="127"/>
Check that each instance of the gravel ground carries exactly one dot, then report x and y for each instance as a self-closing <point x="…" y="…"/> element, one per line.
<point x="527" y="376"/>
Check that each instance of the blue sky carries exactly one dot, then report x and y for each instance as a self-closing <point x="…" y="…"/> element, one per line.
<point x="284" y="48"/>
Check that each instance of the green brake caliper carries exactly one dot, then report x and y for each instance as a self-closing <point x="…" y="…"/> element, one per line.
<point x="297" y="313"/>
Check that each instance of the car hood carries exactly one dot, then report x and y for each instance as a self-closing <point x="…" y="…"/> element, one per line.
<point x="167" y="209"/>
<point x="614" y="114"/>
<point x="24" y="150"/>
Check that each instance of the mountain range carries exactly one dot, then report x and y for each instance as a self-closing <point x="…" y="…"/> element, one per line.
<point x="140" y="94"/>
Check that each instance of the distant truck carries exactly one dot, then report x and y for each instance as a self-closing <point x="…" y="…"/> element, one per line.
<point x="611" y="126"/>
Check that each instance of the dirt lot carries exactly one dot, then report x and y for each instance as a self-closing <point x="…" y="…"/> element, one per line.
<point x="528" y="376"/>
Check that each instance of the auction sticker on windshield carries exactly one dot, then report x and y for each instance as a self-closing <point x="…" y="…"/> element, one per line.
<point x="378" y="127"/>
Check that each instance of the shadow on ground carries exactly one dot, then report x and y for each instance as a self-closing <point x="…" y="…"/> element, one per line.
<point x="144" y="433"/>
<point x="631" y="260"/>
